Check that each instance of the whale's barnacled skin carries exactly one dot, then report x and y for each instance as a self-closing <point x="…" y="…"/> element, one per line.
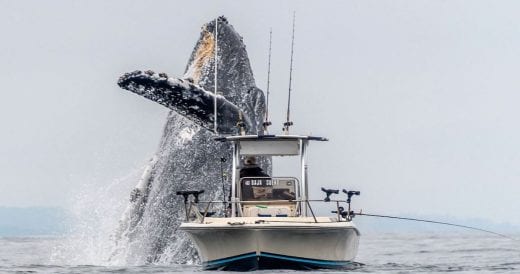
<point x="188" y="158"/>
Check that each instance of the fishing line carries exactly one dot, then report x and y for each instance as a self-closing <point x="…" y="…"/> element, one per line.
<point x="437" y="222"/>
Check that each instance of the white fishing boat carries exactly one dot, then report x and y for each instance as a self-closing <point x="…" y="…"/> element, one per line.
<point x="269" y="222"/>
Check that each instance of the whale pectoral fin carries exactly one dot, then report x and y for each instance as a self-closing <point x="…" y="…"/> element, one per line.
<point x="186" y="98"/>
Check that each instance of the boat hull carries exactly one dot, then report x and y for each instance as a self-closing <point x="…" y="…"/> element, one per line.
<point x="242" y="245"/>
<point x="263" y="260"/>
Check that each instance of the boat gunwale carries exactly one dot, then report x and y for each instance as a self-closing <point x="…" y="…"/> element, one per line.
<point x="287" y="226"/>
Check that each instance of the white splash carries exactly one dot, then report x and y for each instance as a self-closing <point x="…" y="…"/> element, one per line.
<point x="95" y="215"/>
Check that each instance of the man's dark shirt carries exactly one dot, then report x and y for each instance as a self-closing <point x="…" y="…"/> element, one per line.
<point x="252" y="171"/>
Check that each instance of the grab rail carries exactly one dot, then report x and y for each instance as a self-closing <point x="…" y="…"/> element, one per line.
<point x="202" y="215"/>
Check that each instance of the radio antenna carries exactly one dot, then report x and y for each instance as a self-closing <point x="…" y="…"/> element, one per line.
<point x="215" y="80"/>
<point x="267" y="122"/>
<point x="288" y="123"/>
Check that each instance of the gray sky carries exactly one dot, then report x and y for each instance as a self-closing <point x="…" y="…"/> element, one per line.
<point x="419" y="98"/>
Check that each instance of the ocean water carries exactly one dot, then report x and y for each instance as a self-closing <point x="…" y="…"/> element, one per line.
<point x="378" y="253"/>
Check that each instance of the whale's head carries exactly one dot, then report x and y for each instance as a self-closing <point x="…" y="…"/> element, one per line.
<point x="193" y="95"/>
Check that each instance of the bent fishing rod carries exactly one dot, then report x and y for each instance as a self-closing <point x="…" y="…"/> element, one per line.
<point x="349" y="214"/>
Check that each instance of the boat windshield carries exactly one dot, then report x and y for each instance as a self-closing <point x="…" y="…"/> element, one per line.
<point x="267" y="189"/>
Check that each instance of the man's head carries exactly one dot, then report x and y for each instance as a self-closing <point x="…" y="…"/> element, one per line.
<point x="250" y="161"/>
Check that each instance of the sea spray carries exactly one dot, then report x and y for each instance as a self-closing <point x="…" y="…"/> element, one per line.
<point x="93" y="219"/>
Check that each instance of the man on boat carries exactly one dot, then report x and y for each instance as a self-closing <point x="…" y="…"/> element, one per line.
<point x="251" y="169"/>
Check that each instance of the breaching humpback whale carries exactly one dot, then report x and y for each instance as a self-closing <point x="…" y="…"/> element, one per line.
<point x="188" y="157"/>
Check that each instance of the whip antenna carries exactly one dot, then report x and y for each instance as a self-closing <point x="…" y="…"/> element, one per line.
<point x="288" y="123"/>
<point x="215" y="80"/>
<point x="267" y="122"/>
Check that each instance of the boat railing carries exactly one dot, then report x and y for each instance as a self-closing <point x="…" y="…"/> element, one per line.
<point x="195" y="215"/>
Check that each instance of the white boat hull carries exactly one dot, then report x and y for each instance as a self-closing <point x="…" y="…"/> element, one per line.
<point x="290" y="242"/>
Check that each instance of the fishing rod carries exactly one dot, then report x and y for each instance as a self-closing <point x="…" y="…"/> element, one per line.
<point x="222" y="175"/>
<point x="267" y="122"/>
<point x="348" y="214"/>
<point x="224" y="178"/>
<point x="215" y="129"/>
<point x="288" y="123"/>
<point x="435" y="222"/>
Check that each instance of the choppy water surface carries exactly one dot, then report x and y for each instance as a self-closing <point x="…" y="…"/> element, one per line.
<point x="379" y="253"/>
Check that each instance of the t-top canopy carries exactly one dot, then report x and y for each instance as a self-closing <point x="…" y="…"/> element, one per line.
<point x="269" y="145"/>
<point x="269" y="137"/>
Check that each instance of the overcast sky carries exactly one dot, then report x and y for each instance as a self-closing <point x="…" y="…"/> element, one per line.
<point x="419" y="98"/>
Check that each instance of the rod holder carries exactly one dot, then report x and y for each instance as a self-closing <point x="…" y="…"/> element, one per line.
<point x="186" y="194"/>
<point x="329" y="192"/>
